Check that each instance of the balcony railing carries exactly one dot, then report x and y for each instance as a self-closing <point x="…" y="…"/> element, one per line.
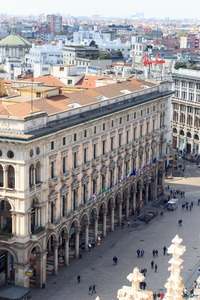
<point x="53" y="181"/>
<point x="65" y="176"/>
<point x="135" y="143"/>
<point x="76" y="171"/>
<point x="120" y="149"/>
<point x="86" y="166"/>
<point x="113" y="153"/>
<point x="128" y="146"/>
<point x="96" y="161"/>
<point x="104" y="157"/>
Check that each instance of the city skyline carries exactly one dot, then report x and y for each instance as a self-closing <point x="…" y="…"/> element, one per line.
<point x="174" y="9"/>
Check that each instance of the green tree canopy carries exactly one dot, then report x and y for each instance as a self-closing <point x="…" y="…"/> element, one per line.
<point x="61" y="32"/>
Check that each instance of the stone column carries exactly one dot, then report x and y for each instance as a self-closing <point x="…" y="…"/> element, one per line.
<point x="66" y="250"/>
<point x="95" y="229"/>
<point x="8" y="265"/>
<point x="134" y="200"/>
<point x="55" y="248"/>
<point x="6" y="178"/>
<point x="147" y="193"/>
<point x="77" y="244"/>
<point x="112" y="217"/>
<point x="140" y="196"/>
<point x="104" y="223"/>
<point x="38" y="270"/>
<point x="120" y="212"/>
<point x="127" y="208"/>
<point x="39" y="218"/>
<point x="86" y="236"/>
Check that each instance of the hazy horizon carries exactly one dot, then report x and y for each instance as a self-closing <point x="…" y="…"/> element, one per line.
<point x="155" y="9"/>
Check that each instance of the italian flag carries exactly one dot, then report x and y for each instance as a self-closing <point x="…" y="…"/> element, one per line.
<point x="127" y="177"/>
<point x="121" y="181"/>
<point x="146" y="165"/>
<point x="95" y="196"/>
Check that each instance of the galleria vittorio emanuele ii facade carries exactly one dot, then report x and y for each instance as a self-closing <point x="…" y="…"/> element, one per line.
<point x="73" y="169"/>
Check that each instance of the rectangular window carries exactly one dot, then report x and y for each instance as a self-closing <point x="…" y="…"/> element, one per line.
<point x="191" y="85"/>
<point x="127" y="136"/>
<point x="104" y="126"/>
<point x="134" y="115"/>
<point x="112" y="143"/>
<point x="61" y="68"/>
<point x="64" y="169"/>
<point x="74" y="137"/>
<point x="95" y="130"/>
<point x="120" y="139"/>
<point x="52" y="170"/>
<point x="148" y="126"/>
<point x="75" y="160"/>
<point x="154" y="125"/>
<point x="120" y="120"/>
<point x="148" y="110"/>
<point x="127" y="118"/>
<point x="52" y="145"/>
<point x="135" y="133"/>
<point x="141" y="113"/>
<point x="64" y="141"/>
<point x="154" y="108"/>
<point x="85" y="155"/>
<point x="141" y="130"/>
<point x="112" y="123"/>
<point x="38" y="95"/>
<point x="95" y="151"/>
<point x="85" y="133"/>
<point x="104" y="147"/>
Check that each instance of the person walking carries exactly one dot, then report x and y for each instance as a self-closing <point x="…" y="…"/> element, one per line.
<point x="90" y="290"/>
<point x="164" y="250"/>
<point x="79" y="278"/>
<point x="145" y="272"/>
<point x="138" y="253"/>
<point x="186" y="206"/>
<point x="128" y="223"/>
<point x="156" y="252"/>
<point x="122" y="226"/>
<point x="142" y="253"/>
<point x="190" y="207"/>
<point x="94" y="289"/>
<point x="198" y="201"/>
<point x="156" y="267"/>
<point x="152" y="264"/>
<point x="192" y="203"/>
<point x="144" y="285"/>
<point x="154" y="296"/>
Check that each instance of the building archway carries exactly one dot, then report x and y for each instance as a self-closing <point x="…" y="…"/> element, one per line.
<point x="52" y="255"/>
<point x="84" y="233"/>
<point x="94" y="229"/>
<point x="7" y="269"/>
<point x="35" y="267"/>
<point x="102" y="218"/>
<point x="5" y="217"/>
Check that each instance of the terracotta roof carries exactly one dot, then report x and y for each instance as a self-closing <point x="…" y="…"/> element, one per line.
<point x="88" y="81"/>
<point x="48" y="80"/>
<point x="60" y="103"/>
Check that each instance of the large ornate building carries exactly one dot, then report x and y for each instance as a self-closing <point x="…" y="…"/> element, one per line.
<point x="74" y="169"/>
<point x="185" y="117"/>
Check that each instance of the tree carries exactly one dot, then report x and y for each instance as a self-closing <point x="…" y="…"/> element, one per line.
<point x="61" y="32"/>
<point x="93" y="44"/>
<point x="119" y="53"/>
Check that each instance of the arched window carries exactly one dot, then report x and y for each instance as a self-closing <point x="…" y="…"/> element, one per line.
<point x="38" y="173"/>
<point x="31" y="175"/>
<point x="5" y="217"/>
<point x="189" y="134"/>
<point x="181" y="132"/>
<point x="11" y="177"/>
<point x="196" y="137"/>
<point x="174" y="130"/>
<point x="1" y="176"/>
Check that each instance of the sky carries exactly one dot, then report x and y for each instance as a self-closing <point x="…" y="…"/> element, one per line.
<point x="174" y="9"/>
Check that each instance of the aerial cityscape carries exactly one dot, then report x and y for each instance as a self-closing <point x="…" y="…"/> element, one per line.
<point x="99" y="151"/>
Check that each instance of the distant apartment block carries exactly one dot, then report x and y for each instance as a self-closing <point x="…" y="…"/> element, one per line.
<point x="54" y="22"/>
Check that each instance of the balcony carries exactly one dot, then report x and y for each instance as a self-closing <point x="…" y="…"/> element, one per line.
<point x="104" y="157"/>
<point x="120" y="149"/>
<point x="113" y="153"/>
<point x="53" y="181"/>
<point x="135" y="143"/>
<point x="76" y="171"/>
<point x="96" y="161"/>
<point x="65" y="176"/>
<point x="141" y="140"/>
<point x="128" y="146"/>
<point x="86" y="166"/>
<point x="148" y="136"/>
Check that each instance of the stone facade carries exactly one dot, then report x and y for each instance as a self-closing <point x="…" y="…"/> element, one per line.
<point x="65" y="182"/>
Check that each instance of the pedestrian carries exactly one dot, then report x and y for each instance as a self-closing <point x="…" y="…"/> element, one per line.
<point x="94" y="288"/>
<point x="186" y="207"/>
<point x="183" y="206"/>
<point x="99" y="240"/>
<point x="190" y="207"/>
<point x="142" y="253"/>
<point x="141" y="285"/>
<point x="79" y="278"/>
<point x="90" y="290"/>
<point x="186" y="176"/>
<point x="156" y="252"/>
<point x="89" y="246"/>
<point x="198" y="201"/>
<point x="122" y="225"/>
<point x="158" y="294"/>
<point x="152" y="264"/>
<point x="144" y="285"/>
<point x="168" y="187"/>
<point x="144" y="272"/>
<point x="128" y="223"/>
<point x="195" y="284"/>
<point x="198" y="270"/>
<point x="191" y="292"/>
<point x="192" y="203"/>
<point x="138" y="253"/>
<point x="162" y="295"/>
<point x="156" y="267"/>
<point x="183" y="194"/>
<point x="185" y="293"/>
<point x="154" y="296"/>
<point x="164" y="250"/>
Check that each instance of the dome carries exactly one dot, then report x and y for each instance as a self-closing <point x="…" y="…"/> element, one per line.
<point x="14" y="40"/>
